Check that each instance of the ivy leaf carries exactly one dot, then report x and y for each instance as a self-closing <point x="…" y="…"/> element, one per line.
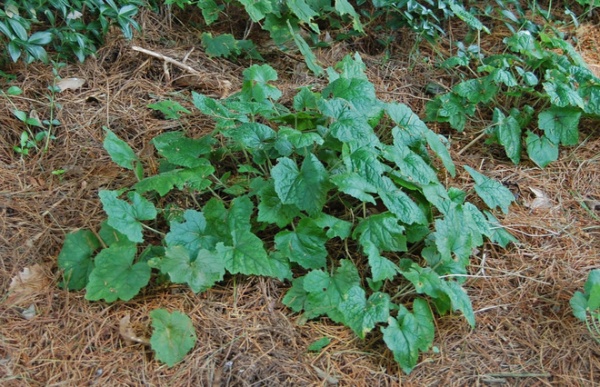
<point x="125" y="217"/>
<point x="325" y="293"/>
<point x="210" y="10"/>
<point x="257" y="9"/>
<point x="115" y="276"/>
<point x="493" y="193"/>
<point x="305" y="245"/>
<point x="410" y="333"/>
<point x="120" y="152"/>
<point x="399" y="203"/>
<point x="477" y="90"/>
<point x="183" y="151"/>
<point x="541" y="150"/>
<point x="508" y="131"/>
<point x="191" y="234"/>
<point x="360" y="314"/>
<point x="560" y="125"/>
<point x="271" y="209"/>
<point x="200" y="272"/>
<point x="173" y="336"/>
<point x="356" y="186"/>
<point x="382" y="231"/>
<point x="75" y="258"/>
<point x="256" y="85"/>
<point x="306" y="188"/>
<point x="318" y="345"/>
<point x="563" y="95"/>
<point x="337" y="228"/>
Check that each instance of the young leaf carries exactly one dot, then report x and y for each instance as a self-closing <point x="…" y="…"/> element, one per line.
<point x="75" y="258"/>
<point x="306" y="187"/>
<point x="119" y="151"/>
<point x="360" y="314"/>
<point x="305" y="245"/>
<point x="541" y="150"/>
<point x="410" y="333"/>
<point x="200" y="272"/>
<point x="493" y="193"/>
<point x="125" y="217"/>
<point x="173" y="336"/>
<point x="318" y="345"/>
<point x="560" y="125"/>
<point x="115" y="276"/>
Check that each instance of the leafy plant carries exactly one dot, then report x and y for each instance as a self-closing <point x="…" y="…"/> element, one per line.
<point x="542" y="70"/>
<point x="586" y="306"/>
<point x="337" y="193"/>
<point x="74" y="27"/>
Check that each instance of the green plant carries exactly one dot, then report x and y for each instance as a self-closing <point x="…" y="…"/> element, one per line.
<point x="541" y="73"/>
<point x="586" y="306"/>
<point x="337" y="193"/>
<point x="74" y="27"/>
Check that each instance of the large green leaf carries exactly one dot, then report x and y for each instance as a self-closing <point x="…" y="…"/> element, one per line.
<point x="183" y="151"/>
<point x="173" y="336"/>
<point x="399" y="203"/>
<point x="541" y="150"/>
<point x="271" y="209"/>
<point x="325" y="292"/>
<point x="563" y="95"/>
<point x="560" y="125"/>
<point x="381" y="267"/>
<point x="356" y="186"/>
<point x="75" y="258"/>
<point x="256" y="86"/>
<point x="493" y="193"/>
<point x="125" y="217"/>
<point x="200" y="272"/>
<point x="348" y="123"/>
<point x="477" y="90"/>
<point x="410" y="333"/>
<point x="381" y="231"/>
<point x="410" y="166"/>
<point x="304" y="245"/>
<point x="361" y="95"/>
<point x="191" y="234"/>
<point x="361" y="314"/>
<point x="306" y="187"/>
<point x="115" y="276"/>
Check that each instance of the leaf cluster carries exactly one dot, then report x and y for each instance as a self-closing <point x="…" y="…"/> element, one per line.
<point x="540" y="72"/>
<point x="311" y="193"/>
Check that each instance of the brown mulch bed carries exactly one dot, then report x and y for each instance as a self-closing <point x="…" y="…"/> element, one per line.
<point x="525" y="335"/>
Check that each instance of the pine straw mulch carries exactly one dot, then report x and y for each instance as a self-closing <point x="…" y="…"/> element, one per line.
<point x="525" y="335"/>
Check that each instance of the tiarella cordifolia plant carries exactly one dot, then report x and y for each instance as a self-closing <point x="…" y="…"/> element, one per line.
<point x="336" y="193"/>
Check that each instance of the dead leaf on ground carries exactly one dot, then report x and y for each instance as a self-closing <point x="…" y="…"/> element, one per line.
<point x="30" y="282"/>
<point x="541" y="199"/>
<point x="70" y="83"/>
<point x="128" y="333"/>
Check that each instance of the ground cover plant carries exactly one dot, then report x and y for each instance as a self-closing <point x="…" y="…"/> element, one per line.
<point x="358" y="221"/>
<point x="202" y="212"/>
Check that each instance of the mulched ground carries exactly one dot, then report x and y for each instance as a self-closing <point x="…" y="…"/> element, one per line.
<point x="525" y="335"/>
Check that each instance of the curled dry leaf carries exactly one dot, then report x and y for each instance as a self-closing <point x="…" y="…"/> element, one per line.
<point x="70" y="83"/>
<point x="30" y="282"/>
<point x="128" y="333"/>
<point x="540" y="201"/>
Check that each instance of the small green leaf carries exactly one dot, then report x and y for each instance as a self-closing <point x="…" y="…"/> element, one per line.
<point x="173" y="336"/>
<point x="200" y="272"/>
<point x="399" y="203"/>
<point x="460" y="300"/>
<point x="191" y="234"/>
<point x="592" y="289"/>
<point x="221" y="46"/>
<point x="337" y="228"/>
<point x="14" y="90"/>
<point x="303" y="11"/>
<point x="493" y="193"/>
<point x="164" y="182"/>
<point x="171" y="109"/>
<point x="272" y="210"/>
<point x="125" y="217"/>
<point x="119" y="151"/>
<point x="508" y="131"/>
<point x="305" y="245"/>
<point x="257" y="9"/>
<point x="563" y="95"/>
<point x="381" y="267"/>
<point x="579" y="304"/>
<point x="318" y="345"/>
<point x="115" y="276"/>
<point x="256" y="85"/>
<point x="560" y="125"/>
<point x="75" y="258"/>
<point x="306" y="188"/>
<point x="477" y="90"/>
<point x="541" y="150"/>
<point x="343" y="7"/>
<point x="382" y="231"/>
<point x="410" y="333"/>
